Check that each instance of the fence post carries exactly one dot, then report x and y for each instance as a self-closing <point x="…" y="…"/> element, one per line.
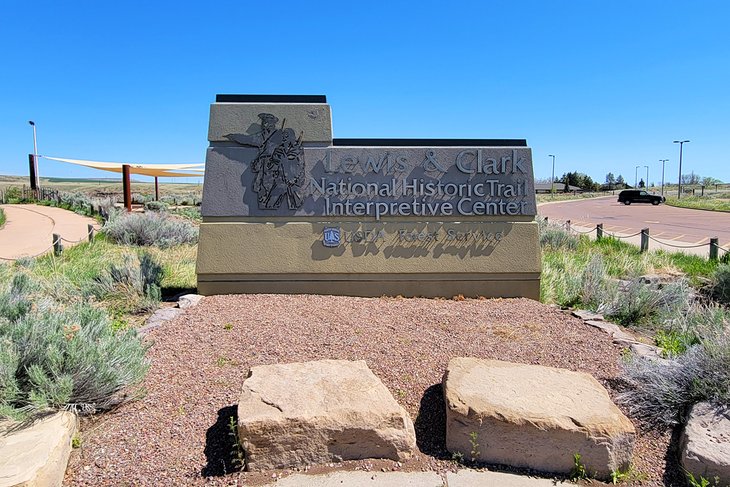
<point x="57" y="245"/>
<point x="644" y="239"/>
<point x="599" y="231"/>
<point x="90" y="227"/>
<point x="546" y="219"/>
<point x="714" y="247"/>
<point x="567" y="226"/>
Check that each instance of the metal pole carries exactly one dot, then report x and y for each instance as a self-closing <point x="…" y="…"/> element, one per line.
<point x="636" y="177"/>
<point x="679" y="182"/>
<point x="647" y="177"/>
<point x="34" y="184"/>
<point x="663" y="161"/>
<point x="126" y="187"/>
<point x="552" y="177"/>
<point x="157" y="190"/>
<point x="33" y="179"/>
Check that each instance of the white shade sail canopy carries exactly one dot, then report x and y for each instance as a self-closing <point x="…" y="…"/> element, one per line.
<point x="195" y="170"/>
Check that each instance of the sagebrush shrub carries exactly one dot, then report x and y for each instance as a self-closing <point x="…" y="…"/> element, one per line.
<point x="661" y="394"/>
<point x="134" y="285"/>
<point x="63" y="356"/>
<point x="641" y="304"/>
<point x="148" y="229"/>
<point x="554" y="237"/>
<point x="596" y="288"/>
<point x="156" y="206"/>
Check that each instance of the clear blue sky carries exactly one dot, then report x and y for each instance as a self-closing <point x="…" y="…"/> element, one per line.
<point x="604" y="85"/>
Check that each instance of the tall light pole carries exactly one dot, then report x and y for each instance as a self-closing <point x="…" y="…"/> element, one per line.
<point x="34" y="161"/>
<point x="663" y="161"/>
<point x="647" y="177"/>
<point x="679" y="182"/>
<point x="552" y="177"/>
<point x="636" y="177"/>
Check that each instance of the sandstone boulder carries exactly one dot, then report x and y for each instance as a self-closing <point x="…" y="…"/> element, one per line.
<point x="189" y="300"/>
<point x="297" y="414"/>
<point x="705" y="443"/>
<point x="38" y="454"/>
<point x="534" y="417"/>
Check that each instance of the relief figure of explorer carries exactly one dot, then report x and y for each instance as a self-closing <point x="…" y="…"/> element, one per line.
<point x="278" y="166"/>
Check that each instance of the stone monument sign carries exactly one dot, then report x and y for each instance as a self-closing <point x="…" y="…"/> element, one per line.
<point x="288" y="209"/>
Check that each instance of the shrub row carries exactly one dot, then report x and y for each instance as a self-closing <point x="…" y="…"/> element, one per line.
<point x="150" y="228"/>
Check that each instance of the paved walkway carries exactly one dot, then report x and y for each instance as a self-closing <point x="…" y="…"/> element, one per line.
<point x="29" y="230"/>
<point x="463" y="478"/>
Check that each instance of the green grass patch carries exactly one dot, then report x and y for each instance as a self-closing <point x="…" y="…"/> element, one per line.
<point x="78" y="269"/>
<point x="715" y="202"/>
<point x="2" y="217"/>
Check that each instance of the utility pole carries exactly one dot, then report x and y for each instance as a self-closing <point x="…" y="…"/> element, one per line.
<point x="34" y="179"/>
<point x="647" y="177"/>
<point x="663" y="161"/>
<point x="552" y="178"/>
<point x="636" y="177"/>
<point x="679" y="182"/>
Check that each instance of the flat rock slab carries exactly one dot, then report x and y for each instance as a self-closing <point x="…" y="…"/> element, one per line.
<point x="606" y="326"/>
<point x="587" y="315"/>
<point x="472" y="478"/>
<point x="159" y="318"/>
<point x="298" y="414"/>
<point x="534" y="417"/>
<point x="189" y="300"/>
<point x="36" y="455"/>
<point x="705" y="443"/>
<point x="363" y="479"/>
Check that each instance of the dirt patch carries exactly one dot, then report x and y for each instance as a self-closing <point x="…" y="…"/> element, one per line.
<point x="176" y="434"/>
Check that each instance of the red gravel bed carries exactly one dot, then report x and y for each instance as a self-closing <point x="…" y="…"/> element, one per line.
<point x="177" y="433"/>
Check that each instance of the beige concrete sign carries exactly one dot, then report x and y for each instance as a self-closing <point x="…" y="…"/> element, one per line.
<point x="287" y="208"/>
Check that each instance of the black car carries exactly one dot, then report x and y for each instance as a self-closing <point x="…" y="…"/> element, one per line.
<point x="629" y="196"/>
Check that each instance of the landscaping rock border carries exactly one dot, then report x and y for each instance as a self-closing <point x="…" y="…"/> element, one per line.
<point x="619" y="334"/>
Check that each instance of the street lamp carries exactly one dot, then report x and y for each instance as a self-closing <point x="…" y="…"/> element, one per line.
<point x="636" y="177"/>
<point x="663" y="161"/>
<point x="34" y="164"/>
<point x="679" y="182"/>
<point x="552" y="177"/>
<point x="647" y="177"/>
<point x="35" y="143"/>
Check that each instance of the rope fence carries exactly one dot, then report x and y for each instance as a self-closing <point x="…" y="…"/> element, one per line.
<point x="712" y="243"/>
<point x="613" y="235"/>
<point x="89" y="236"/>
<point x="678" y="246"/>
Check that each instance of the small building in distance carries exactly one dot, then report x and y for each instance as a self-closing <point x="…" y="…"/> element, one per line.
<point x="559" y="188"/>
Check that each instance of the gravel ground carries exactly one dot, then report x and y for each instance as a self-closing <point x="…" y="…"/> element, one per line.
<point x="177" y="434"/>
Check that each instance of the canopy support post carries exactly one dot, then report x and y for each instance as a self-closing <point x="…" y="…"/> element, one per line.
<point x="157" y="190"/>
<point x="126" y="186"/>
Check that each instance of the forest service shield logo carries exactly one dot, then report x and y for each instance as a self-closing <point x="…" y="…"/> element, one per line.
<point x="331" y="237"/>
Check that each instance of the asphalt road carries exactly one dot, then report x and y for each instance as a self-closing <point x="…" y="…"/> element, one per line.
<point x="665" y="223"/>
